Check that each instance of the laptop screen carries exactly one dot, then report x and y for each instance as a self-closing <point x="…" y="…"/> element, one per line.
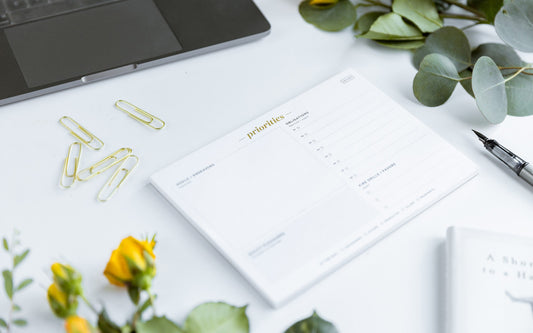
<point x="69" y="46"/>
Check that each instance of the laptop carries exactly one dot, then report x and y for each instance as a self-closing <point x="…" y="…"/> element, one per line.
<point x="50" y="45"/>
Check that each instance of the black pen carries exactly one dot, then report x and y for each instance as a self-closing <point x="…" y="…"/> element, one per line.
<point x="522" y="168"/>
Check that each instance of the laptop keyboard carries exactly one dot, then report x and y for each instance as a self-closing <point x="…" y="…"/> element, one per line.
<point x="21" y="11"/>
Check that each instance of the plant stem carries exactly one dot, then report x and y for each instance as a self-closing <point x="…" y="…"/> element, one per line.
<point x="12" y="298"/>
<point x="378" y="3"/>
<point x="152" y="300"/>
<point x="86" y="301"/>
<point x="465" y="7"/>
<point x="464" y="17"/>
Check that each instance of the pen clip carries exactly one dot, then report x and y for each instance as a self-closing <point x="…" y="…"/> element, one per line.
<point x="114" y="182"/>
<point x="89" y="138"/>
<point x="66" y="166"/>
<point x="140" y="115"/>
<point x="104" y="164"/>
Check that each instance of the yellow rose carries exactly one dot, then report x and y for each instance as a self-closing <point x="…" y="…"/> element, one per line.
<point x="322" y="3"/>
<point x="67" y="278"/>
<point x="132" y="264"/>
<point x="75" y="324"/>
<point x="62" y="304"/>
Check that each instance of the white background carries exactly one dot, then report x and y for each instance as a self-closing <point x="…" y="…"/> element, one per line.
<point x="397" y="286"/>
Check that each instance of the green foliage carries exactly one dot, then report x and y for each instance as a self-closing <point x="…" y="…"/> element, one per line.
<point x="450" y="42"/>
<point x="514" y="24"/>
<point x="489" y="8"/>
<point x="158" y="325"/>
<point x="436" y="80"/>
<point x="8" y="283"/>
<point x="391" y="26"/>
<point x="423" y="13"/>
<point x="313" y="324"/>
<point x="488" y="85"/>
<point x="329" y="18"/>
<point x="217" y="318"/>
<point x="106" y="325"/>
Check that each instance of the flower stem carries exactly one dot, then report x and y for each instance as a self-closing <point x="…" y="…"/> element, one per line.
<point x="86" y="301"/>
<point x="152" y="300"/>
<point x="464" y="17"/>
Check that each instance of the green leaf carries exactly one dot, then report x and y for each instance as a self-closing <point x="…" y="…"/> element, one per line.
<point x="24" y="284"/>
<point x="6" y="244"/>
<point x="489" y="8"/>
<point x="106" y="325"/>
<point x="467" y="84"/>
<point x="450" y="42"/>
<point x="217" y="318"/>
<point x="520" y="95"/>
<point x="158" y="325"/>
<point x="20" y="258"/>
<point x="8" y="283"/>
<point x="442" y="5"/>
<point x="364" y="23"/>
<point x="435" y="81"/>
<point x="514" y="24"/>
<point x="135" y="294"/>
<point x="489" y="88"/>
<point x="16" y="308"/>
<point x="20" y="322"/>
<point x="423" y="13"/>
<point x="332" y="18"/>
<point x="503" y="55"/>
<point x="391" y="26"/>
<point x="313" y="324"/>
<point x="3" y="323"/>
<point x="403" y="45"/>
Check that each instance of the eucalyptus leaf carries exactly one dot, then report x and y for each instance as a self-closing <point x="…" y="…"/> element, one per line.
<point x="313" y="324"/>
<point x="20" y="258"/>
<point x="423" y="13"/>
<point x="503" y="55"/>
<point x="467" y="84"/>
<point x="5" y="243"/>
<point x="489" y="88"/>
<point x="158" y="325"/>
<point x="489" y="8"/>
<point x="403" y="45"/>
<point x="391" y="26"/>
<point x="8" y="283"/>
<point x="520" y="95"/>
<point x="3" y="323"/>
<point x="332" y="18"/>
<point x="435" y="81"/>
<point x="16" y="308"/>
<point x="364" y="23"/>
<point x="450" y="42"/>
<point x="442" y="5"/>
<point x="514" y="24"/>
<point x="217" y="318"/>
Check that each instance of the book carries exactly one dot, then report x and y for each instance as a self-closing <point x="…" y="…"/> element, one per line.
<point x="294" y="194"/>
<point x="490" y="282"/>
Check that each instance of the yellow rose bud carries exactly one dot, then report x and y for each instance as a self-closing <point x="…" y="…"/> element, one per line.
<point x="322" y="3"/>
<point x="132" y="264"/>
<point x="67" y="278"/>
<point x="62" y="304"/>
<point x="75" y="324"/>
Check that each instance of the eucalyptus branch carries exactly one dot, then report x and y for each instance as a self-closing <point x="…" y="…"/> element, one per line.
<point x="465" y="17"/>
<point x="465" y="7"/>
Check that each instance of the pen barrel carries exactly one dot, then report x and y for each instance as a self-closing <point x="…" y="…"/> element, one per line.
<point x="527" y="174"/>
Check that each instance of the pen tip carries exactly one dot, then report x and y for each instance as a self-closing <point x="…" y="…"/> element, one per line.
<point x="480" y="136"/>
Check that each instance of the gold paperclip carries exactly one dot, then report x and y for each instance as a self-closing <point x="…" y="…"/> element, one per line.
<point x="109" y="189"/>
<point x="104" y="164"/>
<point x="65" y="175"/>
<point x="149" y="119"/>
<point x="89" y="137"/>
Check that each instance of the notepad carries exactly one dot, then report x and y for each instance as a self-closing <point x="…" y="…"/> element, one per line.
<point x="292" y="195"/>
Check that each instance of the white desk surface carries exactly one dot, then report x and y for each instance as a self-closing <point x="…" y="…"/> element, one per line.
<point x="397" y="286"/>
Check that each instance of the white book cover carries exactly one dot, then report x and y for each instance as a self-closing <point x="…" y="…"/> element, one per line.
<point x="296" y="193"/>
<point x="490" y="282"/>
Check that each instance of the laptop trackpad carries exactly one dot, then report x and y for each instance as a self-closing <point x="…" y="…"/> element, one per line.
<point x="67" y="47"/>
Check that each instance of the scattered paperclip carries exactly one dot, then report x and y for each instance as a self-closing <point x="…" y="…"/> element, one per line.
<point x="104" y="164"/>
<point x="136" y="113"/>
<point x="70" y="156"/>
<point x="89" y="138"/>
<point x="111" y="186"/>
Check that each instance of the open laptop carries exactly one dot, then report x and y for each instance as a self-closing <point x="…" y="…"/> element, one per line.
<point x="49" y="45"/>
